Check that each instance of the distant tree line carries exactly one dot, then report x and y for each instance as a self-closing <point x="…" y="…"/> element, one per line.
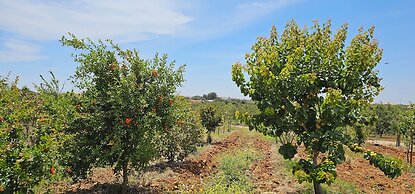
<point x="214" y="96"/>
<point x="209" y="96"/>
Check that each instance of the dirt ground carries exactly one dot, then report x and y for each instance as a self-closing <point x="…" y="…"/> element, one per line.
<point x="189" y="174"/>
<point x="370" y="179"/>
<point x="390" y="150"/>
<point x="269" y="175"/>
<point x="269" y="172"/>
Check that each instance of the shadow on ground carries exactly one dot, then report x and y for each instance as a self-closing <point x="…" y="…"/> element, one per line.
<point x="112" y="188"/>
<point x="194" y="167"/>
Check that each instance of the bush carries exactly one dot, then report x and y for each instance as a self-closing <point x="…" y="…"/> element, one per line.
<point x="30" y="135"/>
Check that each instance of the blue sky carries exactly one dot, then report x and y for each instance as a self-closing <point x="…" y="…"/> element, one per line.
<point x="206" y="35"/>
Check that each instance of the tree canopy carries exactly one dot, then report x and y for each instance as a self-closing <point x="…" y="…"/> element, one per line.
<point x="307" y="81"/>
<point x="210" y="120"/>
<point x="125" y="102"/>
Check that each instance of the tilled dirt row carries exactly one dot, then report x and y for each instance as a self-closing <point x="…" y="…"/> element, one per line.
<point x="269" y="175"/>
<point x="188" y="175"/>
<point x="161" y="178"/>
<point x="370" y="179"/>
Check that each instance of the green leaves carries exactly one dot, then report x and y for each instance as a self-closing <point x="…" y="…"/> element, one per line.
<point x="126" y="103"/>
<point x="31" y="134"/>
<point x="307" y="81"/>
<point x="356" y="148"/>
<point x="305" y="170"/>
<point x="389" y="166"/>
<point x="386" y="118"/>
<point x="210" y="120"/>
<point x="184" y="136"/>
<point x="287" y="151"/>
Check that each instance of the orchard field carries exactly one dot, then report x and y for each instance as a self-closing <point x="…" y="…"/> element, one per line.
<point x="250" y="163"/>
<point x="310" y="126"/>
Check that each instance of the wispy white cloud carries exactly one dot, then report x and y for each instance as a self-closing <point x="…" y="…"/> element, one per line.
<point x="211" y="21"/>
<point x="17" y="51"/>
<point x="123" y="20"/>
<point x="130" y="20"/>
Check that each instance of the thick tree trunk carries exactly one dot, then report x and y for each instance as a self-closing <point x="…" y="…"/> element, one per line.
<point x="209" y="138"/>
<point x="125" y="177"/>
<point x="317" y="186"/>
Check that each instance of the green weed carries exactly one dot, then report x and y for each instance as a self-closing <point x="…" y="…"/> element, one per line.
<point x="233" y="176"/>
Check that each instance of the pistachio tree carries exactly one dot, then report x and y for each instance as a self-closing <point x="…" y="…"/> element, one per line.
<point x="210" y="120"/>
<point x="125" y="102"/>
<point x="385" y="119"/>
<point x="407" y="127"/>
<point x="307" y="81"/>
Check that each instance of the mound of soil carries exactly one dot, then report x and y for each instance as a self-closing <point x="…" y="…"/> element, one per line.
<point x="391" y="151"/>
<point x="369" y="179"/>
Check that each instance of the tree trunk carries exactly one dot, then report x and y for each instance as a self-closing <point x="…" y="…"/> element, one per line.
<point x="124" y="177"/>
<point x="209" y="138"/>
<point x="398" y="140"/>
<point x="412" y="146"/>
<point x="317" y="186"/>
<point x="408" y="147"/>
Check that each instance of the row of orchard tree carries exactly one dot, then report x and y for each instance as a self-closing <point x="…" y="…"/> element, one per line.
<point x="125" y="115"/>
<point x="389" y="119"/>
<point x="226" y="109"/>
<point x="382" y="119"/>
